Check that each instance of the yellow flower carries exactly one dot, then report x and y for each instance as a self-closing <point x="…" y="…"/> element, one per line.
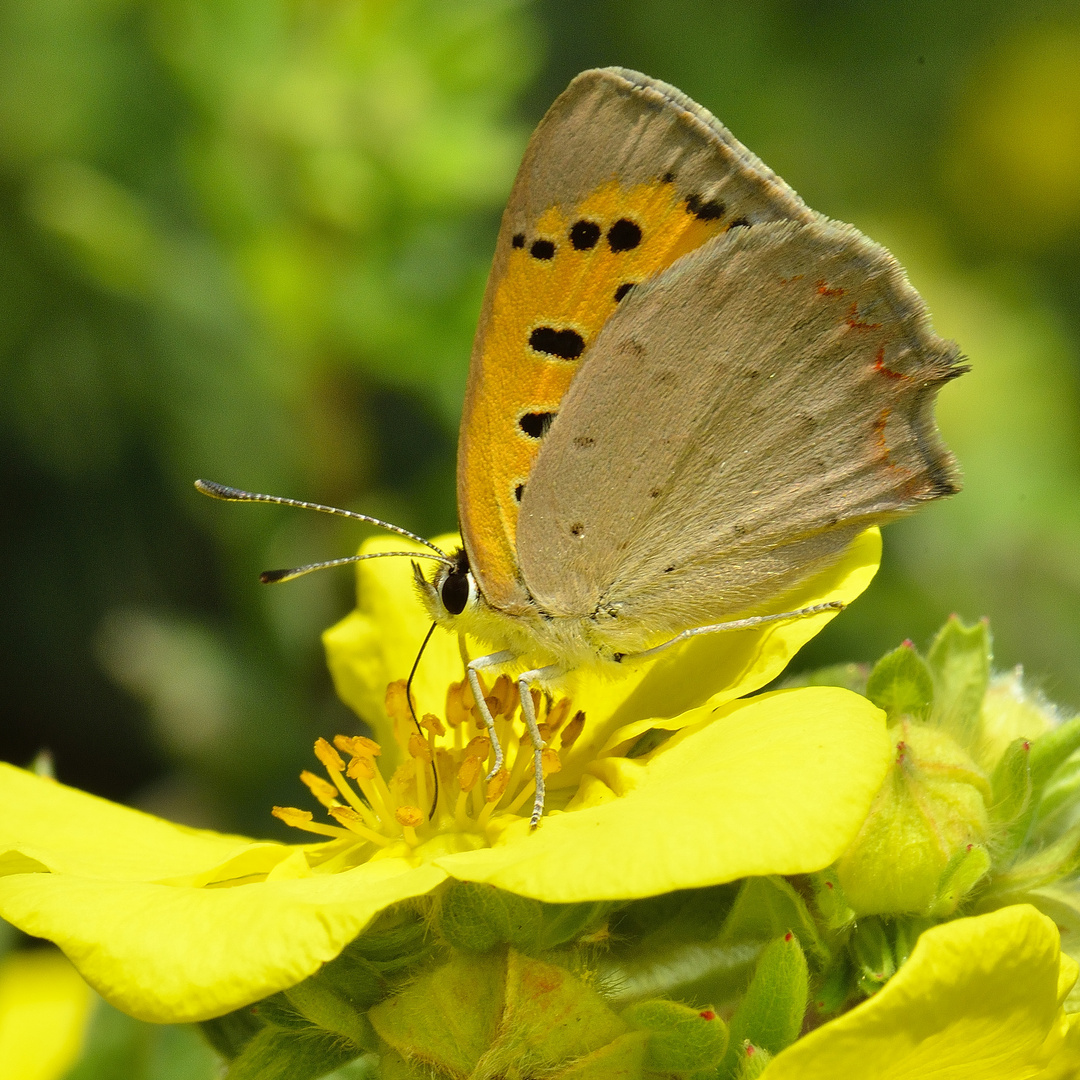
<point x="173" y="924"/>
<point x="979" y="999"/>
<point x="44" y="1009"/>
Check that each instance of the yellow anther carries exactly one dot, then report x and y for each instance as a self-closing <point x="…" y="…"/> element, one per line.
<point x="357" y="745"/>
<point x="503" y="694"/>
<point x="301" y="819"/>
<point x="549" y="761"/>
<point x="292" y="816"/>
<point x="345" y="814"/>
<point x="536" y="696"/>
<point x="572" y="730"/>
<point x="456" y="710"/>
<point x="397" y="702"/>
<point x="418" y="747"/>
<point x="496" y="786"/>
<point x="469" y="772"/>
<point x="324" y="791"/>
<point x="329" y="757"/>
<point x="355" y="824"/>
<point x="432" y="724"/>
<point x="545" y="731"/>
<point x="361" y="768"/>
<point x="480" y="747"/>
<point x="410" y="816"/>
<point x="445" y="763"/>
<point x="558" y="714"/>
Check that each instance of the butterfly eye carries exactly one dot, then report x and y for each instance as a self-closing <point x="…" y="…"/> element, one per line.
<point x="456" y="591"/>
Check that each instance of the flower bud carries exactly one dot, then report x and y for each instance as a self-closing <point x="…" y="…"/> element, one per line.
<point x="681" y="1039"/>
<point x="930" y="809"/>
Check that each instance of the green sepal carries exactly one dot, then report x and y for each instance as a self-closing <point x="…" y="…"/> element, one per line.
<point x="562" y="923"/>
<point x="754" y="1062"/>
<point x="399" y="938"/>
<point x="1058" y="860"/>
<point x="873" y="955"/>
<point x="850" y="676"/>
<point x="1011" y="783"/>
<point x="275" y="1054"/>
<point x="767" y="908"/>
<point x="964" y="871"/>
<point x="681" y="1039"/>
<point x="829" y="899"/>
<point x="1049" y="751"/>
<point x="770" y="1015"/>
<point x="836" y="987"/>
<point x="901" y="684"/>
<point x="959" y="660"/>
<point x="229" y="1034"/>
<point x="477" y="918"/>
<point x="504" y="1007"/>
<point x="319" y="1003"/>
<point x="905" y="933"/>
<point x="278" y="1011"/>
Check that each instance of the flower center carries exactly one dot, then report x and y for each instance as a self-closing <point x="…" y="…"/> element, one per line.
<point x="444" y="782"/>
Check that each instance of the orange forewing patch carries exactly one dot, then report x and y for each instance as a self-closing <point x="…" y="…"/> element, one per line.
<point x="544" y="302"/>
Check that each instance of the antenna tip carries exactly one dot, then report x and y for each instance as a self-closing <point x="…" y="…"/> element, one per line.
<point x="272" y="577"/>
<point x="215" y="491"/>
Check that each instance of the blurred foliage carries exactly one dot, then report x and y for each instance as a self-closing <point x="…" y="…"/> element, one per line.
<point x="247" y="240"/>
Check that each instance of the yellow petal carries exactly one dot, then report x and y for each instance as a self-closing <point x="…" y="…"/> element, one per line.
<point x="44" y="1009"/>
<point x="777" y="784"/>
<point x="123" y="895"/>
<point x="979" y="999"/>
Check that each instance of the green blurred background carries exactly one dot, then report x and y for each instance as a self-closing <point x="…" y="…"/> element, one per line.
<point x="247" y="240"/>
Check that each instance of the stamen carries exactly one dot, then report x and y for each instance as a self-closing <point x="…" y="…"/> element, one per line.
<point x="328" y="757"/>
<point x="558" y="714"/>
<point x="432" y="724"/>
<point x="503" y="694"/>
<point x="331" y="761"/>
<point x="420" y="751"/>
<point x="357" y="745"/>
<point x="418" y="747"/>
<point x="572" y="730"/>
<point x="496" y="789"/>
<point x="467" y="777"/>
<point x="409" y="817"/>
<point x="355" y="824"/>
<point x="324" y="791"/>
<point x="364" y="771"/>
<point x="303" y="819"/>
<point x="397" y="708"/>
<point x="551" y="763"/>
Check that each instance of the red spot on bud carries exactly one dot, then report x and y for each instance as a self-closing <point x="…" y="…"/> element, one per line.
<point x="970" y="846"/>
<point x="1027" y="745"/>
<point x="828" y="885"/>
<point x="708" y="1014"/>
<point x="750" y="1050"/>
<point x="788" y="936"/>
<point x="907" y="643"/>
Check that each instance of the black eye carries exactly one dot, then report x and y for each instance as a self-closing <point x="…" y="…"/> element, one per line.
<point x="455" y="592"/>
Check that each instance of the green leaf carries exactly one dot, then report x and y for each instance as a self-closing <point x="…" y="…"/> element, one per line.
<point x="901" y="684"/>
<point x="229" y="1034"/>
<point x="1049" y="751"/>
<point x="960" y="662"/>
<point x="333" y="1012"/>
<point x="286" y="1055"/>
<point x="771" y="1013"/>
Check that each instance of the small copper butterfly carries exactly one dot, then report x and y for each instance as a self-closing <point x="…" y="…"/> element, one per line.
<point x="689" y="393"/>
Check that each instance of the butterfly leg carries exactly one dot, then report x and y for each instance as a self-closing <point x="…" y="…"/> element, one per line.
<point x="737" y="624"/>
<point x="529" y="712"/>
<point x="491" y="660"/>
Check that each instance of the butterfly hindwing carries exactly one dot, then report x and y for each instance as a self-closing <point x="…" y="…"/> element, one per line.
<point x="623" y="177"/>
<point x="739" y="421"/>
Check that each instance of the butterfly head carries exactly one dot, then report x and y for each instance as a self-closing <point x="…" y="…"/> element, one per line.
<point x="452" y="592"/>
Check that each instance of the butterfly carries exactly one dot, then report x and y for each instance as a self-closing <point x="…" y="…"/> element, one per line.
<point x="688" y="394"/>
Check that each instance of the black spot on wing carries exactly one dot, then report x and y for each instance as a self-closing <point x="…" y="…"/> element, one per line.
<point x="535" y="425"/>
<point x="584" y="235"/>
<point x="623" y="289"/>
<point x="565" y="344"/>
<point x="740" y="223"/>
<point x="542" y="249"/>
<point x="624" y="235"/>
<point x="519" y="491"/>
<point x="668" y="177"/>
<point x="710" y="210"/>
<point x="518" y="240"/>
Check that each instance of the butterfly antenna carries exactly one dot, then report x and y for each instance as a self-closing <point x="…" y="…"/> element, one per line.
<point x="408" y="698"/>
<point x="273" y="577"/>
<point x="231" y="494"/>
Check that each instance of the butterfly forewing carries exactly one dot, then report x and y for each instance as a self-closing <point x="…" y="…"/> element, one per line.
<point x="623" y="177"/>
<point x="737" y="423"/>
